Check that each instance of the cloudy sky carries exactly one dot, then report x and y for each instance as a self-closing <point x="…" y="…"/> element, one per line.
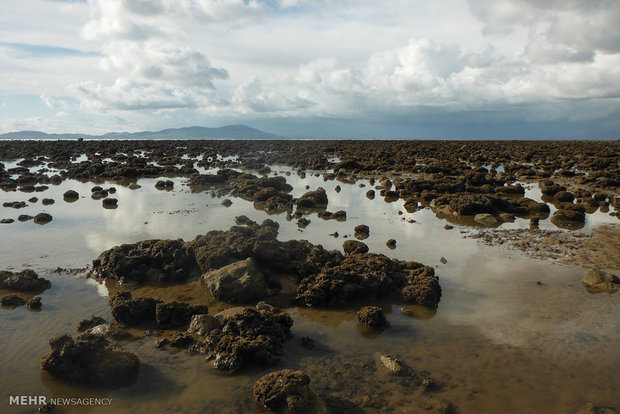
<point x="314" y="68"/>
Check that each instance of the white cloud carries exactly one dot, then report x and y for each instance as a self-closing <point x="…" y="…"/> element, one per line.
<point x="179" y="61"/>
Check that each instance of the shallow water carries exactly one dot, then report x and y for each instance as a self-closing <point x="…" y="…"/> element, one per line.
<point x="499" y="341"/>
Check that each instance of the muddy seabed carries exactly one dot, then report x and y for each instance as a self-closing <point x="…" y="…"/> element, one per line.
<point x="513" y="333"/>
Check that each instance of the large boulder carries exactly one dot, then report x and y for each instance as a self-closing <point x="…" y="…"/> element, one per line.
<point x="24" y="281"/>
<point x="287" y="391"/>
<point x="147" y="261"/>
<point x="599" y="281"/>
<point x="240" y="282"/>
<point x="89" y="359"/>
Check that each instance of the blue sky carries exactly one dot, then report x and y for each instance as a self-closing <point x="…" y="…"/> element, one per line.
<point x="314" y="68"/>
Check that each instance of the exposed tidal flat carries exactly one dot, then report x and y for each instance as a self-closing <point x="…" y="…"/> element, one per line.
<point x="311" y="276"/>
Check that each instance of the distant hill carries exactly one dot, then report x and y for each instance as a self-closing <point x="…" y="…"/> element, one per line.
<point x="194" y="132"/>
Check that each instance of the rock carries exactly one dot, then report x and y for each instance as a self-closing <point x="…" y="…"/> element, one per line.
<point x="372" y="317"/>
<point x="443" y="260"/>
<point x="391" y="244"/>
<point x="129" y="311"/>
<point x="33" y="200"/>
<point x="7" y="221"/>
<point x="592" y="409"/>
<point x="313" y="199"/>
<point x="24" y="217"/>
<point x="168" y="184"/>
<point x="362" y="232"/>
<point x="370" y="194"/>
<point x="108" y="331"/>
<point x="307" y="342"/>
<point x="424" y="289"/>
<point x="250" y="336"/>
<point x="42" y="218"/>
<point x="89" y="359"/>
<point x="227" y="203"/>
<point x="48" y="201"/>
<point x="202" y="324"/>
<point x="486" y="219"/>
<point x="15" y="204"/>
<point x="71" y="196"/>
<point x="24" y="281"/>
<point x="12" y="301"/>
<point x="182" y="340"/>
<point x="147" y="261"/>
<point x="177" y="314"/>
<point x="244" y="220"/>
<point x="34" y="303"/>
<point x="599" y="281"/>
<point x="230" y="312"/>
<point x="91" y="322"/>
<point x="354" y="247"/>
<point x="240" y="282"/>
<point x="568" y="215"/>
<point x="303" y="222"/>
<point x="564" y="196"/>
<point x="390" y="363"/>
<point x="289" y="392"/>
<point x="507" y="217"/>
<point x="110" y="202"/>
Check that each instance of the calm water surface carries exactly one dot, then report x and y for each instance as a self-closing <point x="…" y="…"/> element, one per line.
<point x="499" y="341"/>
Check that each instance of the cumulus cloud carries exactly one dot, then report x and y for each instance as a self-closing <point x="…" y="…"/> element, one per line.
<point x="141" y="49"/>
<point x="177" y="61"/>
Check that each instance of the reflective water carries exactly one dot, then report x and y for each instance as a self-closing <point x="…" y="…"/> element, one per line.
<point x="499" y="342"/>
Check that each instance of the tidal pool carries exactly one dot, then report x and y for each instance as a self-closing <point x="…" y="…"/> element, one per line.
<point x="499" y="342"/>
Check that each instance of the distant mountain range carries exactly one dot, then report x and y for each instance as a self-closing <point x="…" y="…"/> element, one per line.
<point x="194" y="132"/>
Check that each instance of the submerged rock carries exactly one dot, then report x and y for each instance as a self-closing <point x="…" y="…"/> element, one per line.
<point x="91" y="322"/>
<point x="287" y="391"/>
<point x="250" y="336"/>
<point x="240" y="282"/>
<point x="390" y="363"/>
<point x="372" y="317"/>
<point x="599" y="281"/>
<point x="12" y="301"/>
<point x="24" y="281"/>
<point x="89" y="359"/>
<point x="486" y="219"/>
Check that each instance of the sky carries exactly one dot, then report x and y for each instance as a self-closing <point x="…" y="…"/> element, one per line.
<point x="451" y="69"/>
